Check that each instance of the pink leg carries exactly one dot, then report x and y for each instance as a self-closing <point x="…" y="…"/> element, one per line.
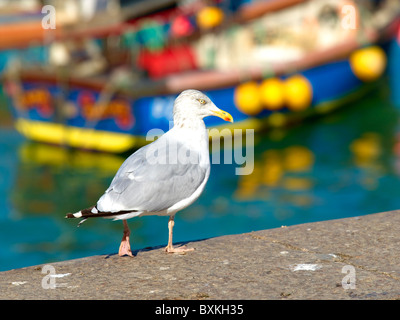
<point x="125" y="248"/>
<point x="170" y="248"/>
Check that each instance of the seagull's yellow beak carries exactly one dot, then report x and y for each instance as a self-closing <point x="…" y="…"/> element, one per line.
<point x="223" y="115"/>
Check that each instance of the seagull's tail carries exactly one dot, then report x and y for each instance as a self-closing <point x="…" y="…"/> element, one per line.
<point x="93" y="212"/>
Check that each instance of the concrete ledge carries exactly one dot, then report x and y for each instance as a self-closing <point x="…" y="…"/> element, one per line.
<point x="298" y="262"/>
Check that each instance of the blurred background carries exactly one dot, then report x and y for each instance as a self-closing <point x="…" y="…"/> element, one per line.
<point x="82" y="82"/>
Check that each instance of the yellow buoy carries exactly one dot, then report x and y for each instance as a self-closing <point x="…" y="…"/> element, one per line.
<point x="247" y="98"/>
<point x="272" y="94"/>
<point x="209" y="17"/>
<point x="298" y="93"/>
<point x="369" y="63"/>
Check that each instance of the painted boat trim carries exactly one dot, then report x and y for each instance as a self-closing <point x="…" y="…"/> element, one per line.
<point x="84" y="138"/>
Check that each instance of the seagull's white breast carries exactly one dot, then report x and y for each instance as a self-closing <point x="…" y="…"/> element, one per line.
<point x="198" y="141"/>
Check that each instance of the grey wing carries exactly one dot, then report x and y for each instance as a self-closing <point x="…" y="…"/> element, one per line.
<point x="150" y="181"/>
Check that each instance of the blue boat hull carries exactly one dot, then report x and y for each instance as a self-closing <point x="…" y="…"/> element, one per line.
<point x="125" y="122"/>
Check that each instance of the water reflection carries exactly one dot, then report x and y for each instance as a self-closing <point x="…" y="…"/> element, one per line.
<point x="61" y="179"/>
<point x="49" y="182"/>
<point x="345" y="164"/>
<point x="277" y="169"/>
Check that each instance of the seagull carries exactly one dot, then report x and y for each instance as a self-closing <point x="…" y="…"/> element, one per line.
<point x="164" y="176"/>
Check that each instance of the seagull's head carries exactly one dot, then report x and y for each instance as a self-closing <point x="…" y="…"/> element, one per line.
<point x="193" y="104"/>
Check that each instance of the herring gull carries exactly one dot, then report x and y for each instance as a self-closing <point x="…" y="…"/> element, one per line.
<point x="164" y="176"/>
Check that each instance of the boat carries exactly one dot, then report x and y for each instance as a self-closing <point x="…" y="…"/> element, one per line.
<point x="267" y="63"/>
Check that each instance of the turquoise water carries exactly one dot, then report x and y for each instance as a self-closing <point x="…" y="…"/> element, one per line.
<point x="343" y="164"/>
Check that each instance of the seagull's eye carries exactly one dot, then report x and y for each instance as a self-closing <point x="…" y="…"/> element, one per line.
<point x="202" y="101"/>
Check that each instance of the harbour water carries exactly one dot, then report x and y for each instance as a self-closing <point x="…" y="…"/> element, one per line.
<point x="343" y="164"/>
